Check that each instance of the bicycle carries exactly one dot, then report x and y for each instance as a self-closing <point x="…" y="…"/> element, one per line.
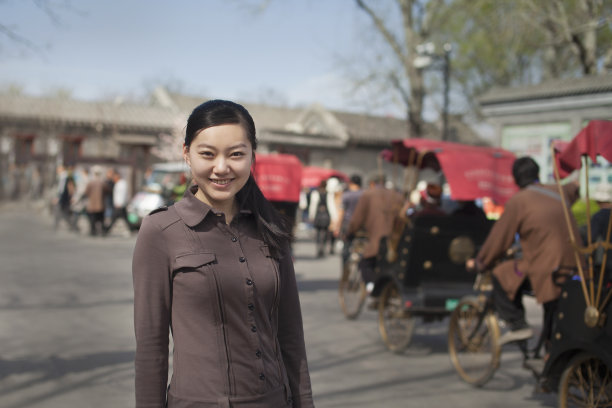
<point x="474" y="336"/>
<point x="351" y="289"/>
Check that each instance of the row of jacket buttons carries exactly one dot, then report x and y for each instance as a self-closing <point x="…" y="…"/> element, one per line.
<point x="251" y="307"/>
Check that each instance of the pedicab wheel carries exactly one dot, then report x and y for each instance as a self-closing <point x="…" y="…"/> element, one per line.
<point x="352" y="290"/>
<point x="585" y="382"/>
<point x="395" y="325"/>
<point x="473" y="342"/>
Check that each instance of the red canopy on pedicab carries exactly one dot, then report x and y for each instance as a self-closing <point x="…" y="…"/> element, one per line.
<point x="278" y="176"/>
<point x="471" y="171"/>
<point x="594" y="139"/>
<point x="313" y="175"/>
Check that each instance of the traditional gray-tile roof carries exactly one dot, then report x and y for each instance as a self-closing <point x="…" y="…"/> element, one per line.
<point x="83" y="113"/>
<point x="361" y="129"/>
<point x="373" y="130"/>
<point x="557" y="88"/>
<point x="295" y="125"/>
<point x="265" y="116"/>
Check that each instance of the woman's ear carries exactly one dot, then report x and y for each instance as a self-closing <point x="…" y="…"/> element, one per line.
<point x="186" y="154"/>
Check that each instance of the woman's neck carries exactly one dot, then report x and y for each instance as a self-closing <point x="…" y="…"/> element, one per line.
<point x="230" y="209"/>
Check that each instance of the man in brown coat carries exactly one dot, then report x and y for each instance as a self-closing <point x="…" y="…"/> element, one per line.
<point x="94" y="191"/>
<point x="535" y="216"/>
<point x="376" y="211"/>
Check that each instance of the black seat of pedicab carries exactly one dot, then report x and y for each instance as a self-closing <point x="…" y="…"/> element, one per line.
<point x="431" y="255"/>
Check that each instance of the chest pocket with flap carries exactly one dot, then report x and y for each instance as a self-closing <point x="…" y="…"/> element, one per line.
<point x="194" y="261"/>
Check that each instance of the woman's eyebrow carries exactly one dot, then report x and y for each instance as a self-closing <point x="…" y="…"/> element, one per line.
<point x="213" y="147"/>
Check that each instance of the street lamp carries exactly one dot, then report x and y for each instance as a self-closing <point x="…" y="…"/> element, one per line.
<point x="426" y="57"/>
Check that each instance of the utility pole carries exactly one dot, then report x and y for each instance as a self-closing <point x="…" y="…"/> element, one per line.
<point x="445" y="108"/>
<point x="425" y="59"/>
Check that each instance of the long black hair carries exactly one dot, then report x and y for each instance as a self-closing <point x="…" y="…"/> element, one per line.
<point x="274" y="228"/>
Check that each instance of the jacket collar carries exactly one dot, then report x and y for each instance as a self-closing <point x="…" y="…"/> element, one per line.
<point x="192" y="210"/>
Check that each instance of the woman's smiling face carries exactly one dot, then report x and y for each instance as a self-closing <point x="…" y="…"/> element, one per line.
<point x="220" y="158"/>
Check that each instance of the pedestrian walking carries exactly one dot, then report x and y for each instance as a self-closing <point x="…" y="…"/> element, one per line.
<point x="94" y="191"/>
<point x="79" y="201"/>
<point x="320" y="217"/>
<point x="120" y="201"/>
<point x="216" y="269"/>
<point x="65" y="202"/>
<point x="349" y="201"/>
<point x="61" y="175"/>
<point x="109" y="183"/>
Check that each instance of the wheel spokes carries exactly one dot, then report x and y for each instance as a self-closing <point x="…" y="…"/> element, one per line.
<point x="589" y="386"/>
<point x="471" y="333"/>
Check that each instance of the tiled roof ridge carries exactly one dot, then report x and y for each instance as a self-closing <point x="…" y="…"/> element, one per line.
<point x="555" y="88"/>
<point x="70" y="100"/>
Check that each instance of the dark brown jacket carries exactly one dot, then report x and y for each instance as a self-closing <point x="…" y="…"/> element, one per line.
<point x="376" y="211"/>
<point x="233" y="310"/>
<point x="536" y="214"/>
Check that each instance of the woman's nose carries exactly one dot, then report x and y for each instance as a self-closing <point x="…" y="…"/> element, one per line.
<point x="221" y="165"/>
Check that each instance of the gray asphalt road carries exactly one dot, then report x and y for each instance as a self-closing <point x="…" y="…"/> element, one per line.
<point x="66" y="332"/>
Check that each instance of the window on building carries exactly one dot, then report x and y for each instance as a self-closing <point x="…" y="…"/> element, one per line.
<point x="134" y="153"/>
<point x="71" y="150"/>
<point x="24" y="148"/>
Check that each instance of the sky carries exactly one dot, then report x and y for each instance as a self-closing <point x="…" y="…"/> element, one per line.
<point x="215" y="48"/>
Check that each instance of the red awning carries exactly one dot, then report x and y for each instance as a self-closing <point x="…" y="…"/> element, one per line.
<point x="593" y="140"/>
<point x="278" y="176"/>
<point x="312" y="175"/>
<point x="471" y="171"/>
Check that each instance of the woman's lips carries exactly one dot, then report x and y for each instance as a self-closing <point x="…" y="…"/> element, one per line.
<point x="221" y="182"/>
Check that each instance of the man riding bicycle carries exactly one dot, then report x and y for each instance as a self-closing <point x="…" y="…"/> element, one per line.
<point x="536" y="216"/>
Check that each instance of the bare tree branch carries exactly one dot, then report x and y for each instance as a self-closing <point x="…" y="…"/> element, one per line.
<point x="382" y="28"/>
<point x="13" y="36"/>
<point x="52" y="9"/>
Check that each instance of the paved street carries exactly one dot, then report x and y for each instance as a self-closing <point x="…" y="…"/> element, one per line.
<point x="66" y="332"/>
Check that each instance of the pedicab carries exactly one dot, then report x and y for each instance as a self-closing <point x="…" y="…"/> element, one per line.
<point x="312" y="176"/>
<point x="578" y="361"/>
<point x="420" y="272"/>
<point x="279" y="177"/>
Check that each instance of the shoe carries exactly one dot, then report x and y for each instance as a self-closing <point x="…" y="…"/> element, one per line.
<point x="516" y="335"/>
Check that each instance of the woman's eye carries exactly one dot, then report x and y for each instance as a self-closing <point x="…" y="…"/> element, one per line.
<point x="237" y="154"/>
<point x="206" y="154"/>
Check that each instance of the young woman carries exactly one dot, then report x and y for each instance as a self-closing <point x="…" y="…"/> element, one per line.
<point x="216" y="269"/>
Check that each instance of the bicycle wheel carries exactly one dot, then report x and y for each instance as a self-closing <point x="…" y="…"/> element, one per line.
<point x="395" y="326"/>
<point x="473" y="342"/>
<point x="585" y="382"/>
<point x="352" y="290"/>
